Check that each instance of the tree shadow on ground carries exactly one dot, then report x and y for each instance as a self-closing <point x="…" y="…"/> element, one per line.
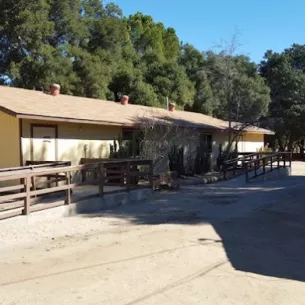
<point x="262" y="229"/>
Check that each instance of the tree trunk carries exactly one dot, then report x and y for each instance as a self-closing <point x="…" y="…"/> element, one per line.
<point x="290" y="143"/>
<point x="280" y="143"/>
<point x="301" y="145"/>
<point x="290" y="146"/>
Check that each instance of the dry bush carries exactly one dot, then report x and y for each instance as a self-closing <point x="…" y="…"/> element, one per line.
<point x="160" y="136"/>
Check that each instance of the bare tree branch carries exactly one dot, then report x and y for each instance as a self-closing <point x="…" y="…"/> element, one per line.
<point x="161" y="136"/>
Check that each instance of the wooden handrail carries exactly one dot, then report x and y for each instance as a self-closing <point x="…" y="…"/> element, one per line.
<point x="253" y="161"/>
<point x="232" y="165"/>
<point x="231" y="161"/>
<point x="35" y="164"/>
<point x="266" y="161"/>
<point x="270" y="156"/>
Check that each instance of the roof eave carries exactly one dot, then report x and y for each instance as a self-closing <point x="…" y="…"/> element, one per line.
<point x="259" y="131"/>
<point x="107" y="123"/>
<point x="8" y="111"/>
<point x="67" y="120"/>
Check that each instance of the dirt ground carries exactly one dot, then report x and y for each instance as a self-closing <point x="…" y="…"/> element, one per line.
<point x="227" y="243"/>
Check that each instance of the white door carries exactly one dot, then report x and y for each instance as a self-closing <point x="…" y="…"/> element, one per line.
<point x="44" y="143"/>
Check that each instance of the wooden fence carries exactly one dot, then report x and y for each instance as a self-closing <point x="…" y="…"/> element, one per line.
<point x="26" y="187"/>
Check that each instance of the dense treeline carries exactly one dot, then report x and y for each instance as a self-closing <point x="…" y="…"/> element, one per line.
<point x="92" y="50"/>
<point x="285" y="75"/>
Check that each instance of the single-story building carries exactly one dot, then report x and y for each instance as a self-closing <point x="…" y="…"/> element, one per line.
<point x="52" y="127"/>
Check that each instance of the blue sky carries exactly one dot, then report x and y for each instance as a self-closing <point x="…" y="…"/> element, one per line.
<point x="263" y="24"/>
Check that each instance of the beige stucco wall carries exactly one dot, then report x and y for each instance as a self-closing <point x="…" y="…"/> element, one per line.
<point x="9" y="144"/>
<point x="75" y="141"/>
<point x="251" y="142"/>
<point x="9" y="141"/>
<point x="247" y="143"/>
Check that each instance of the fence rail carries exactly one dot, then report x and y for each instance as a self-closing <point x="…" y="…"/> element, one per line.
<point x="267" y="164"/>
<point x="25" y="188"/>
<point x="236" y="165"/>
<point x="30" y="165"/>
<point x="253" y="162"/>
<point x="294" y="156"/>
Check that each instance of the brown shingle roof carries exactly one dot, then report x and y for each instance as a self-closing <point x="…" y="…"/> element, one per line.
<point x="38" y="105"/>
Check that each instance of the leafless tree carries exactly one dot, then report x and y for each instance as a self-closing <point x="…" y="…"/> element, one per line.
<point x="237" y="130"/>
<point x="227" y="51"/>
<point x="161" y="136"/>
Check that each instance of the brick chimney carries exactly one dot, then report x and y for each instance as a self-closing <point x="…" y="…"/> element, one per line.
<point x="55" y="89"/>
<point x="171" y="107"/>
<point x="124" y="100"/>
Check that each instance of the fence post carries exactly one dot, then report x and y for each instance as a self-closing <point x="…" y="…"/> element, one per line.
<point x="68" y="191"/>
<point x="128" y="180"/>
<point x="271" y="165"/>
<point x="246" y="171"/>
<point x="224" y="168"/>
<point x="151" y="174"/>
<point x="101" y="170"/>
<point x="255" y="168"/>
<point x="284" y="155"/>
<point x="290" y="158"/>
<point x="264" y="166"/>
<point x="27" y="200"/>
<point x="278" y="161"/>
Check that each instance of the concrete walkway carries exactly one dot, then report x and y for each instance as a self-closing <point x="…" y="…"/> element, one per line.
<point x="228" y="243"/>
